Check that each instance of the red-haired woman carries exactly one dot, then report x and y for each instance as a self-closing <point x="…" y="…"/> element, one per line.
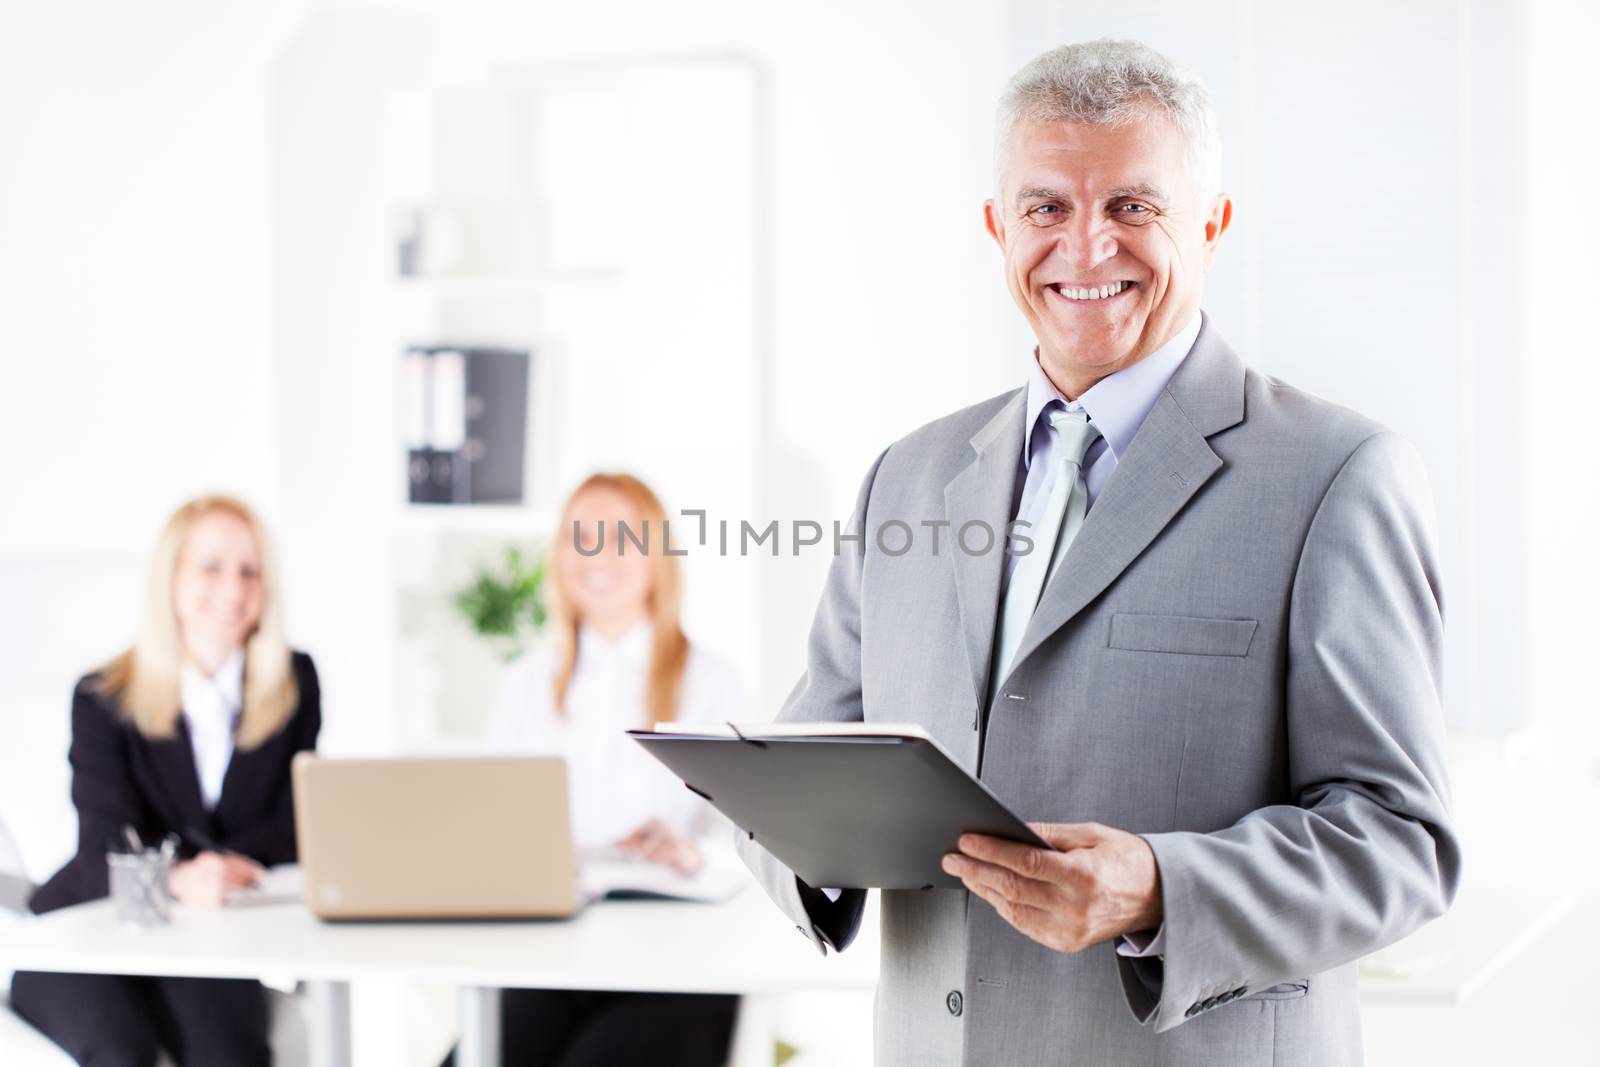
<point x="619" y="660"/>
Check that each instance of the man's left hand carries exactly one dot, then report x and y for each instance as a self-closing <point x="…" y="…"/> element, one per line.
<point x="1099" y="883"/>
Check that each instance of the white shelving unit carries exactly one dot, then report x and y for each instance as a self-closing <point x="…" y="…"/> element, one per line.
<point x="494" y="286"/>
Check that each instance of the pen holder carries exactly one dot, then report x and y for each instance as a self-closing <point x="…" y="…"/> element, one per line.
<point x="139" y="890"/>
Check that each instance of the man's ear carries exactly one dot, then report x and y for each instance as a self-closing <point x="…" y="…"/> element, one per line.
<point x="1217" y="224"/>
<point x="994" y="223"/>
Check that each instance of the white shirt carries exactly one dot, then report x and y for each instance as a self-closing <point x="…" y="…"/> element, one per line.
<point x="211" y="707"/>
<point x="613" y="783"/>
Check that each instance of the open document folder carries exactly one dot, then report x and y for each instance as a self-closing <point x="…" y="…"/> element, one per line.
<point x="854" y="805"/>
<point x="602" y="873"/>
<point x="610" y="873"/>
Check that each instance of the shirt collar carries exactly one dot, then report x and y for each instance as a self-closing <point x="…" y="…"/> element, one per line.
<point x="1118" y="403"/>
<point x="630" y="647"/>
<point x="226" y="685"/>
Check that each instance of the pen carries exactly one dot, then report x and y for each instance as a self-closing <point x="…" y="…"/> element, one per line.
<point x="205" y="842"/>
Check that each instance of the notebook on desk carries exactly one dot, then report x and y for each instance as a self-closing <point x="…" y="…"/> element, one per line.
<point x="460" y="838"/>
<point x="283" y="883"/>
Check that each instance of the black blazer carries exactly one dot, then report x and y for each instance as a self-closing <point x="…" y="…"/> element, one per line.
<point x="120" y="777"/>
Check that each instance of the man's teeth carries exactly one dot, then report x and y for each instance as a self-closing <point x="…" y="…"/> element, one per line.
<point x="1093" y="294"/>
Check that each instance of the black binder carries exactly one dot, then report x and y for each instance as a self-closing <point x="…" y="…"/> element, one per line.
<point x="419" y="476"/>
<point x="466" y="424"/>
<point x="859" y="811"/>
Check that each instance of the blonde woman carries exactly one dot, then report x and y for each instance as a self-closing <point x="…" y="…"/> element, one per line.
<point x="189" y="732"/>
<point x="619" y="659"/>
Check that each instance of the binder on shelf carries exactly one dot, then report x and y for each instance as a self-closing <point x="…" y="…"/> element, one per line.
<point x="419" y="450"/>
<point x="466" y="424"/>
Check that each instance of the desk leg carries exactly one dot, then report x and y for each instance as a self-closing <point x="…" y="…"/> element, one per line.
<point x="480" y="1028"/>
<point x="755" y="1032"/>
<point x="330" y="1023"/>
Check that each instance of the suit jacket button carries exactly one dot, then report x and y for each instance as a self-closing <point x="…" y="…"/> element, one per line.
<point x="953" y="1002"/>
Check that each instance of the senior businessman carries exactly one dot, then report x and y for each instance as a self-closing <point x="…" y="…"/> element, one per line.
<point x="1214" y="682"/>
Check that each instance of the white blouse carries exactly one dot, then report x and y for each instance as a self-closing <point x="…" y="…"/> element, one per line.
<point x="211" y="708"/>
<point x="613" y="783"/>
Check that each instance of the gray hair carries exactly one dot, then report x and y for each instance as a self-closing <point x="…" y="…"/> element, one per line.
<point x="1112" y="83"/>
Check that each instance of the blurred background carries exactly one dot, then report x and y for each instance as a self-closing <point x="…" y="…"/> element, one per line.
<point x="300" y="250"/>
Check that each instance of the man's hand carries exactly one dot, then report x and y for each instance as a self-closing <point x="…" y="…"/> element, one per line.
<point x="658" y="842"/>
<point x="1101" y="883"/>
<point x="207" y="879"/>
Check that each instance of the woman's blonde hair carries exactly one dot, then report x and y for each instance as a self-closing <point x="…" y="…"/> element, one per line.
<point x="669" y="652"/>
<point x="144" y="679"/>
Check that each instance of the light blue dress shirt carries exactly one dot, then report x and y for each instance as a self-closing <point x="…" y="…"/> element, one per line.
<point x="1117" y="404"/>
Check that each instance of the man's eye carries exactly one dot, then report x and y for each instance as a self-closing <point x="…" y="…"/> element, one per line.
<point x="1045" y="212"/>
<point x="1133" y="210"/>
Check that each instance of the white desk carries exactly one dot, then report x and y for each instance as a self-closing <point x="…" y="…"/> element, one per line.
<point x="745" y="946"/>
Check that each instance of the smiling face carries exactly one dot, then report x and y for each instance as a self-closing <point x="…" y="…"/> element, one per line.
<point x="609" y="592"/>
<point x="217" y="590"/>
<point x="1106" y="241"/>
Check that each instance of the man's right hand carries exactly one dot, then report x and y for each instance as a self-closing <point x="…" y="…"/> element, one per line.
<point x="209" y="878"/>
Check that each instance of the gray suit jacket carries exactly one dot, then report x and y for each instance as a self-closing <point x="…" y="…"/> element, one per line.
<point x="1239" y="659"/>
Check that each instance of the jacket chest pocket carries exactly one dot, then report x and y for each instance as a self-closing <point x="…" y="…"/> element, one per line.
<point x="1182" y="634"/>
<point x="1284" y="991"/>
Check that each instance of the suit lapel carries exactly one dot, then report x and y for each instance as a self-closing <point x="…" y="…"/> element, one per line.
<point x="1165" y="466"/>
<point x="238" y="780"/>
<point x="983" y="492"/>
<point x="173" y="758"/>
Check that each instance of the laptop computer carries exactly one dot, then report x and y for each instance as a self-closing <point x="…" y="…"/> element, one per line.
<point x="436" y="838"/>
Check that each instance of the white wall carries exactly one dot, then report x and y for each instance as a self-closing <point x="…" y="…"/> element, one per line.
<point x="134" y="268"/>
<point x="1560" y="158"/>
<point x="133" y="258"/>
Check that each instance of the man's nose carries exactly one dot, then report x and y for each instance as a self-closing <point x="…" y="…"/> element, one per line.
<point x="1085" y="243"/>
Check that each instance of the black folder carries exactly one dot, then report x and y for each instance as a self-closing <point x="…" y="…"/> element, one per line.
<point x="858" y="811"/>
<point x="466" y="422"/>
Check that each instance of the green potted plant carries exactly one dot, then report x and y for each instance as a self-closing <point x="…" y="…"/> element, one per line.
<point x="506" y="603"/>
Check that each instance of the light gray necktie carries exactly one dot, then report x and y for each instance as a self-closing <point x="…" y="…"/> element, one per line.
<point x="1063" y="514"/>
